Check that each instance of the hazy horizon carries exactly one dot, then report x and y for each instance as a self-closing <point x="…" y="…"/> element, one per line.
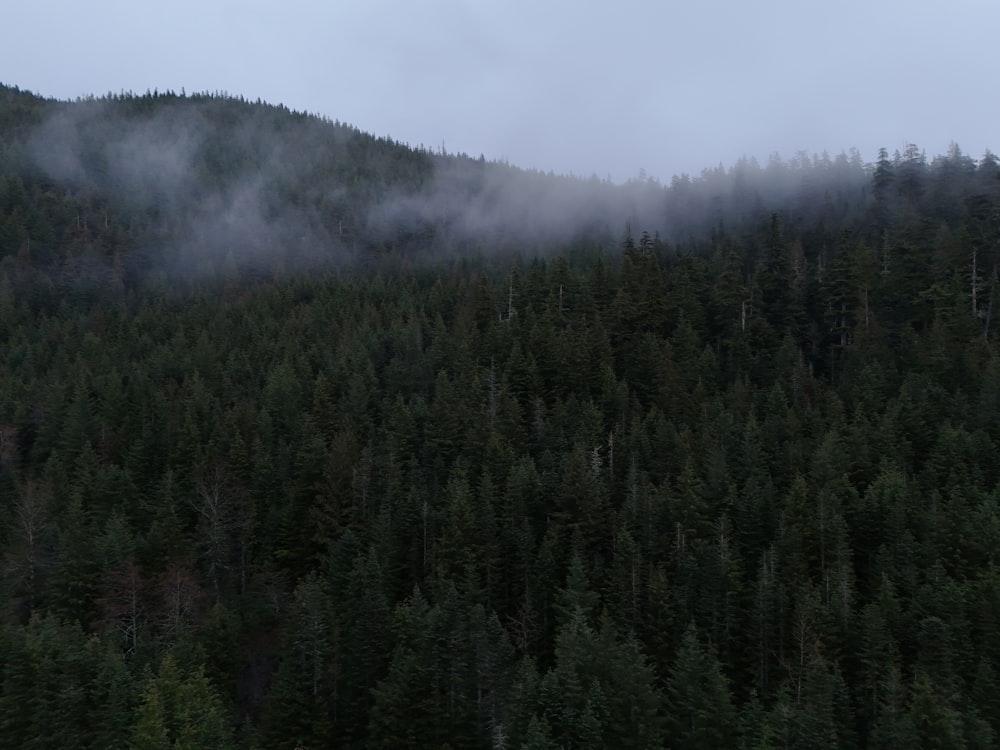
<point x="612" y="91"/>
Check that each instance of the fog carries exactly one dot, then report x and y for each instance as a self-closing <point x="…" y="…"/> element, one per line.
<point x="207" y="184"/>
<point x="601" y="88"/>
<point x="208" y="179"/>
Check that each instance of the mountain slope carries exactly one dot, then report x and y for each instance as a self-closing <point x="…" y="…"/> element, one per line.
<point x="271" y="480"/>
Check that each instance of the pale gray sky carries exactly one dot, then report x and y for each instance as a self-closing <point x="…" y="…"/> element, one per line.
<point x="587" y="87"/>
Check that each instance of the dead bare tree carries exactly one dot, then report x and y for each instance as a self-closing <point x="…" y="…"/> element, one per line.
<point x="30" y="529"/>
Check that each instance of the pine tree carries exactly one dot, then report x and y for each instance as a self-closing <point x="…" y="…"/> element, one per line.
<point x="700" y="705"/>
<point x="180" y="711"/>
<point x="298" y="709"/>
<point x="937" y="725"/>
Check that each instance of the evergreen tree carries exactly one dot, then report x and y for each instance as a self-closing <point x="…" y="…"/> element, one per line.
<point x="298" y="705"/>
<point x="180" y="711"/>
<point x="701" y="709"/>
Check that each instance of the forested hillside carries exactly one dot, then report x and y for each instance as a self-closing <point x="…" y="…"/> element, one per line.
<point x="310" y="439"/>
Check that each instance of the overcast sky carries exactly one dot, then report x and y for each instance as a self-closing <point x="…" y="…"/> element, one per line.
<point x="607" y="88"/>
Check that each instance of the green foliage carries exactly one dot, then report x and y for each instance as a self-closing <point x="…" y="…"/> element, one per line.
<point x="299" y="710"/>
<point x="601" y="691"/>
<point x="701" y="709"/>
<point x="180" y="711"/>
<point x="61" y="688"/>
<point x="382" y="481"/>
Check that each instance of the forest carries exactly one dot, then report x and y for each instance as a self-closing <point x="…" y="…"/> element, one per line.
<point x="312" y="439"/>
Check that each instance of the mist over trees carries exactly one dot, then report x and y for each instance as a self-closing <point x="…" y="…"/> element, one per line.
<point x="311" y="439"/>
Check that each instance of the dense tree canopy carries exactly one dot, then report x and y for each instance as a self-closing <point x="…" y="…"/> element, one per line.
<point x="309" y="439"/>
